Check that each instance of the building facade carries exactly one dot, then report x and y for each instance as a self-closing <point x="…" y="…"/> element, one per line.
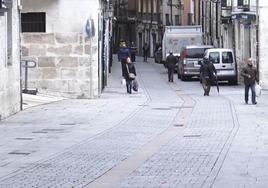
<point x="263" y="42"/>
<point x="10" y="92"/>
<point x="231" y="24"/>
<point x="64" y="38"/>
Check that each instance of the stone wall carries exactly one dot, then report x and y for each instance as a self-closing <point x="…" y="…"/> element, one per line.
<point x="66" y="63"/>
<point x="9" y="66"/>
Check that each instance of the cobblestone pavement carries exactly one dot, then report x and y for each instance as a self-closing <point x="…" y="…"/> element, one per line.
<point x="166" y="135"/>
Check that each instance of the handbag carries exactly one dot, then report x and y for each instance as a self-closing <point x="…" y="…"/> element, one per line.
<point x="130" y="75"/>
<point x="257" y="89"/>
<point x="123" y="81"/>
<point x="135" y="86"/>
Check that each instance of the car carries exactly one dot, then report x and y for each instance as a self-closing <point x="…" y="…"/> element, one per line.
<point x="190" y="60"/>
<point x="225" y="64"/>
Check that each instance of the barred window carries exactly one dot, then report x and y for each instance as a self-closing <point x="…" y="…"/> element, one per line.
<point x="33" y="22"/>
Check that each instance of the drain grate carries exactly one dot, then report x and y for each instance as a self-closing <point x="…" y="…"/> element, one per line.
<point x="67" y="124"/>
<point x="41" y="132"/>
<point x="143" y="105"/>
<point x="161" y="108"/>
<point x="47" y="130"/>
<point x="111" y="92"/>
<point x="24" y="138"/>
<point x="19" y="153"/>
<point x="192" y="135"/>
<point x="178" y="125"/>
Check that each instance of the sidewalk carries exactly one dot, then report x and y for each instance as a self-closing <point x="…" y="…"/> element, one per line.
<point x="165" y="135"/>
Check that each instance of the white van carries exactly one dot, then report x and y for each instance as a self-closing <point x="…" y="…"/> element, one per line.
<point x="224" y="62"/>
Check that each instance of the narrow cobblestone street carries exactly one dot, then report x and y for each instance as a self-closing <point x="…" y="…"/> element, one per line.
<point x="165" y="135"/>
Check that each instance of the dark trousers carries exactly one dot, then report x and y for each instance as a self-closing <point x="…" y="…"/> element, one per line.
<point x="133" y="57"/>
<point x="123" y="61"/>
<point x="145" y="55"/>
<point x="170" y="74"/>
<point x="129" y="86"/>
<point x="206" y="86"/>
<point x="253" y="93"/>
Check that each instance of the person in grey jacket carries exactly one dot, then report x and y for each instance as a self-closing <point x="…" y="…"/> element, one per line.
<point x="250" y="74"/>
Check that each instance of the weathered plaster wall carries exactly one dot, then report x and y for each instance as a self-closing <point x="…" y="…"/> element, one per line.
<point x="67" y="61"/>
<point x="9" y="73"/>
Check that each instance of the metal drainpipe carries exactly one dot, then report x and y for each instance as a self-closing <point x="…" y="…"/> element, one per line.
<point x="257" y="36"/>
<point x="20" y="56"/>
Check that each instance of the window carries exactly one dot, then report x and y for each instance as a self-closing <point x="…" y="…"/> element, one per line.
<point x="33" y="22"/>
<point x="195" y="52"/>
<point x="177" y="20"/>
<point x="167" y="19"/>
<point x="214" y="57"/>
<point x="227" y="57"/>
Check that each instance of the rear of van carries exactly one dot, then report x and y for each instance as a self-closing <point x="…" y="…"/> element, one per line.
<point x="225" y="64"/>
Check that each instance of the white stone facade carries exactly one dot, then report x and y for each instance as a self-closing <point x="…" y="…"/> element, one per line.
<point x="263" y="43"/>
<point x="10" y="99"/>
<point x="67" y="59"/>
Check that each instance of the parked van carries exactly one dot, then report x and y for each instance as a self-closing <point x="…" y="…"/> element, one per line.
<point x="224" y="62"/>
<point x="189" y="64"/>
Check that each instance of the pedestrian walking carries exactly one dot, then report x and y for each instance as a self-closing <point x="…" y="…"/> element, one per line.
<point x="170" y="63"/>
<point x="129" y="73"/>
<point x="123" y="54"/>
<point x="249" y="72"/>
<point x="133" y="51"/>
<point x="208" y="74"/>
<point x="145" y="51"/>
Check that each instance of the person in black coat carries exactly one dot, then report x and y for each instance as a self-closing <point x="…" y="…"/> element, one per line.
<point x="128" y="69"/>
<point x="250" y="75"/>
<point x="123" y="54"/>
<point x="170" y="64"/>
<point x="207" y="71"/>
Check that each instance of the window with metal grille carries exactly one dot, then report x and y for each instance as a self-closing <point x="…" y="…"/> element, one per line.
<point x="33" y="22"/>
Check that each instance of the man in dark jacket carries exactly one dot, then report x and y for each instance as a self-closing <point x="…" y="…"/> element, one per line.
<point x="250" y="77"/>
<point x="133" y="50"/>
<point x="207" y="71"/>
<point x="170" y="64"/>
<point x="145" y="49"/>
<point x="123" y="54"/>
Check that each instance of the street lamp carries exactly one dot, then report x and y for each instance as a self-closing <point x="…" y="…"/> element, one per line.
<point x="178" y="5"/>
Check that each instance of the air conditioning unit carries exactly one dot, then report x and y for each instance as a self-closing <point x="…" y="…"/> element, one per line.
<point x="243" y="4"/>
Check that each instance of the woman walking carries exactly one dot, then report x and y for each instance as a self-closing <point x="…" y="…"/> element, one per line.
<point x="129" y="73"/>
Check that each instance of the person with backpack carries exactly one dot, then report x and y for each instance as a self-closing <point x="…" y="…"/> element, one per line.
<point x="207" y="71"/>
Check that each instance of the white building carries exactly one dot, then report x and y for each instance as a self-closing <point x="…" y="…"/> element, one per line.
<point x="263" y="43"/>
<point x="10" y="97"/>
<point x="63" y="36"/>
